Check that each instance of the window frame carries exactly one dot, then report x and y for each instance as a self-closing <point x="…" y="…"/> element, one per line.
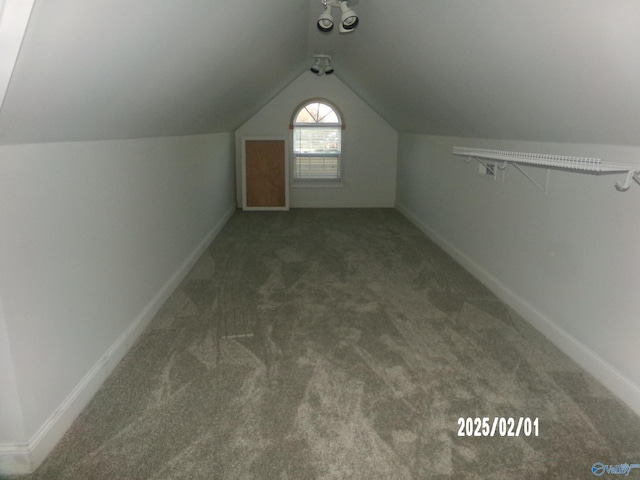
<point x="301" y="181"/>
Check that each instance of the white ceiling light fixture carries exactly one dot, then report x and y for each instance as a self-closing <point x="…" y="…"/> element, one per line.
<point x="325" y="21"/>
<point x="322" y="65"/>
<point x="348" y="20"/>
<point x="328" y="69"/>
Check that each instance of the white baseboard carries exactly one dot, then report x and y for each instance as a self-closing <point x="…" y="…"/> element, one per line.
<point x="19" y="459"/>
<point x="599" y="368"/>
<point x="15" y="460"/>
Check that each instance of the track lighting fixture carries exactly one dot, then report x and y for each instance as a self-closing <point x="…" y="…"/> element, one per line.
<point x="317" y="67"/>
<point x="348" y="19"/>
<point x="322" y="65"/>
<point x="325" y="22"/>
<point x="328" y="69"/>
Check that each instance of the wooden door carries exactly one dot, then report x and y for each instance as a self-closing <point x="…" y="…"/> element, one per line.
<point x="265" y="175"/>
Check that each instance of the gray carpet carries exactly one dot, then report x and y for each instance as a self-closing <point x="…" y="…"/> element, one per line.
<point x="339" y="344"/>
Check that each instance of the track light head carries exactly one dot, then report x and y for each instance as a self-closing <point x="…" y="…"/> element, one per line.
<point x="349" y="19"/>
<point x="317" y="67"/>
<point x="325" y="21"/>
<point x="328" y="69"/>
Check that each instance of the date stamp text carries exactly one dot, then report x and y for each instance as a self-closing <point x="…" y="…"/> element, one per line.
<point x="498" y="426"/>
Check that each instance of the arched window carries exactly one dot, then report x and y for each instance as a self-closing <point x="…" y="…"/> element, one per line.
<point x="317" y="143"/>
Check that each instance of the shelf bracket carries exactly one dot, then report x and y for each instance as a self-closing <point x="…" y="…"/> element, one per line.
<point x="503" y="165"/>
<point x="631" y="175"/>
<point x="545" y="189"/>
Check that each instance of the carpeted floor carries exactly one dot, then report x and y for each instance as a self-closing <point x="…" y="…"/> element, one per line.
<point x="339" y="344"/>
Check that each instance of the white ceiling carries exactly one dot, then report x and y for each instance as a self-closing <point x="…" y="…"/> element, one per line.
<point x="105" y="69"/>
<point x="565" y="71"/>
<point x="548" y="70"/>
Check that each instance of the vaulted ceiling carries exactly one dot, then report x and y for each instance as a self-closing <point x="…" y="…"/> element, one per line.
<point x="566" y="71"/>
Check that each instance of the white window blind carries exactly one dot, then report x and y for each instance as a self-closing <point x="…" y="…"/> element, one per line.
<point x="317" y="144"/>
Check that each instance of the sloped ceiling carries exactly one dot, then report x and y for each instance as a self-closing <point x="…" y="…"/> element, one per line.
<point x="107" y="69"/>
<point x="566" y="71"/>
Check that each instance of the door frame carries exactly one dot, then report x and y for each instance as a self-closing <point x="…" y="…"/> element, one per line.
<point x="285" y="139"/>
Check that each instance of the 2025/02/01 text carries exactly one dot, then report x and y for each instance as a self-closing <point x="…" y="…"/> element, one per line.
<point x="499" y="426"/>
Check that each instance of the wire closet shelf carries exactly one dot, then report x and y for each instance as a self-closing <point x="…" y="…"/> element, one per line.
<point x="584" y="164"/>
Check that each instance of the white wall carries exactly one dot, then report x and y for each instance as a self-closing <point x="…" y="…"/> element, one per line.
<point x="369" y="145"/>
<point x="11" y="425"/>
<point x="94" y="236"/>
<point x="567" y="261"/>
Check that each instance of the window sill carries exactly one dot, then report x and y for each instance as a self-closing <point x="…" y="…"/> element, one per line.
<point x="316" y="184"/>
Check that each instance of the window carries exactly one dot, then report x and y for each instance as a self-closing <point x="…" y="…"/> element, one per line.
<point x="317" y="143"/>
